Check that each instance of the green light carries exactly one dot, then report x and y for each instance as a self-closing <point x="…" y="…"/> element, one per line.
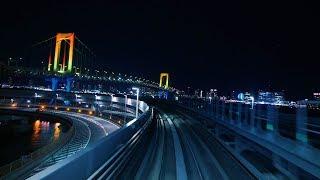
<point x="302" y="137"/>
<point x="270" y="127"/>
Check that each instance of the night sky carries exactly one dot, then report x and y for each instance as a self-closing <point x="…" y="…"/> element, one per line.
<point x="228" y="45"/>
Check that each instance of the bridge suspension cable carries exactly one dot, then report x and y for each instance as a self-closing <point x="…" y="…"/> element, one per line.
<point x="85" y="45"/>
<point x="81" y="57"/>
<point x="44" y="41"/>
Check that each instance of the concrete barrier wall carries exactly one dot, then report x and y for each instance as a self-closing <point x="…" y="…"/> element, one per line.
<point x="87" y="97"/>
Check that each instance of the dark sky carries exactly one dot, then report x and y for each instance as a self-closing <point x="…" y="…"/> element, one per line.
<point x="229" y="45"/>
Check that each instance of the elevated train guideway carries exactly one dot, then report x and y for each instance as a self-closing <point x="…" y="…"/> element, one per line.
<point x="178" y="147"/>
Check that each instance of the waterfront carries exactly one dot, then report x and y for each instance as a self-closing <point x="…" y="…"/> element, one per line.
<point x="22" y="134"/>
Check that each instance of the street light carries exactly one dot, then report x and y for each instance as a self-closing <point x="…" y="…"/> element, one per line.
<point x="9" y="60"/>
<point x="252" y="101"/>
<point x="137" y="103"/>
<point x="112" y="97"/>
<point x="111" y="105"/>
<point x="35" y="98"/>
<point x="57" y="95"/>
<point x="125" y="106"/>
<point x="125" y="102"/>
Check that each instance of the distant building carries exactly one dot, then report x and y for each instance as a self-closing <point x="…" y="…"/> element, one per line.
<point x="270" y="97"/>
<point x="197" y="93"/>
<point x="316" y="95"/>
<point x="247" y="96"/>
<point x="233" y="95"/>
<point x="279" y="97"/>
<point x="311" y="104"/>
<point x="213" y="93"/>
<point x="244" y="96"/>
<point x="3" y="73"/>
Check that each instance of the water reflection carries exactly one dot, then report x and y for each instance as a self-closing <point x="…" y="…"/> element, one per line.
<point x="22" y="134"/>
<point x="43" y="131"/>
<point x="56" y="131"/>
<point x="36" y="132"/>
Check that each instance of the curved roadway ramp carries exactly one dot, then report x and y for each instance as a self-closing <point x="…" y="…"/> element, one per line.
<point x="88" y="130"/>
<point x="180" y="148"/>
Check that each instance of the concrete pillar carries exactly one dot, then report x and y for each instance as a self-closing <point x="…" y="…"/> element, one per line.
<point x="273" y="118"/>
<point x="301" y="123"/>
<point x="216" y="108"/>
<point x="252" y="117"/>
<point x="222" y="109"/>
<point x="54" y="83"/>
<point x="239" y="120"/>
<point x="247" y="116"/>
<point x="230" y="112"/>
<point x="257" y="117"/>
<point x="212" y="108"/>
<point x="209" y="108"/>
<point x="68" y="84"/>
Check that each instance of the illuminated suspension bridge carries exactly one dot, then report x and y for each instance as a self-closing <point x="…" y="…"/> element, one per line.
<point x="65" y="59"/>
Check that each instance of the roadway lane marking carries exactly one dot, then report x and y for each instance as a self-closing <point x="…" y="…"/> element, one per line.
<point x="180" y="165"/>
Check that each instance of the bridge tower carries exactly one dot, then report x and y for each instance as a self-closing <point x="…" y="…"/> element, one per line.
<point x="63" y="59"/>
<point x="166" y="76"/>
<point x="164" y="83"/>
<point x="68" y="39"/>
